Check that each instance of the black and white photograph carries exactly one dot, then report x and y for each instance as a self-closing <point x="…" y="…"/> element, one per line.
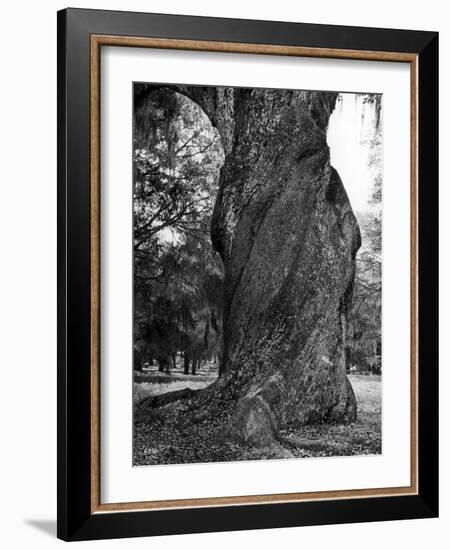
<point x="222" y="315"/>
<point x="257" y="233"/>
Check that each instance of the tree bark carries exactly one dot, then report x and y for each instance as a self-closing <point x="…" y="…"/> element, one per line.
<point x="288" y="238"/>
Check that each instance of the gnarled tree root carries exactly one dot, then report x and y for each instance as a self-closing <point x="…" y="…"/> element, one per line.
<point x="156" y="401"/>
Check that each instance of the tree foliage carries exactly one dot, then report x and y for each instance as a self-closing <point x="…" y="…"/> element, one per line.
<point x="364" y="334"/>
<point x="178" y="277"/>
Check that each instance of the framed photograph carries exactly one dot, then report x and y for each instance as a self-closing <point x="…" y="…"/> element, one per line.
<point x="247" y="255"/>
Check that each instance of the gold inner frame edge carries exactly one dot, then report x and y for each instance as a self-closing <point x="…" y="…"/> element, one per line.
<point x="97" y="41"/>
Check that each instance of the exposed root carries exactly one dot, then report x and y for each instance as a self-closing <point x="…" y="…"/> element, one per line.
<point x="155" y="401"/>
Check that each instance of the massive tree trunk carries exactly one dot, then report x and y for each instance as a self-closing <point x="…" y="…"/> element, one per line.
<point x="287" y="236"/>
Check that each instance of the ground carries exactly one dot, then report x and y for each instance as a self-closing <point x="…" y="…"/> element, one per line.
<point x="161" y="441"/>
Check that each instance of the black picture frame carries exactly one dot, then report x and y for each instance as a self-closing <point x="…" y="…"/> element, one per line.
<point x="76" y="521"/>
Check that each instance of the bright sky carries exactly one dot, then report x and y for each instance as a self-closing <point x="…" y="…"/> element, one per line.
<point x="348" y="155"/>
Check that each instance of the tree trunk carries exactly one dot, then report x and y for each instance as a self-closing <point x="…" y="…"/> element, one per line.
<point x="288" y="238"/>
<point x="186" y="363"/>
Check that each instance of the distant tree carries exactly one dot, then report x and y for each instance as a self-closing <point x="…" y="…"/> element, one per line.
<point x="177" y="156"/>
<point x="364" y="334"/>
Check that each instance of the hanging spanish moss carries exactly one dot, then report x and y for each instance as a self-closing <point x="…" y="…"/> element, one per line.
<point x="374" y="101"/>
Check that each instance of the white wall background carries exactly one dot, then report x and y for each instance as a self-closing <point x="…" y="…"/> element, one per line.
<point x="28" y="274"/>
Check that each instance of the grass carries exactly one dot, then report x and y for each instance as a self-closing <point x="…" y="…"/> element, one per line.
<point x="156" y="383"/>
<point x="363" y="437"/>
<point x="164" y="443"/>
